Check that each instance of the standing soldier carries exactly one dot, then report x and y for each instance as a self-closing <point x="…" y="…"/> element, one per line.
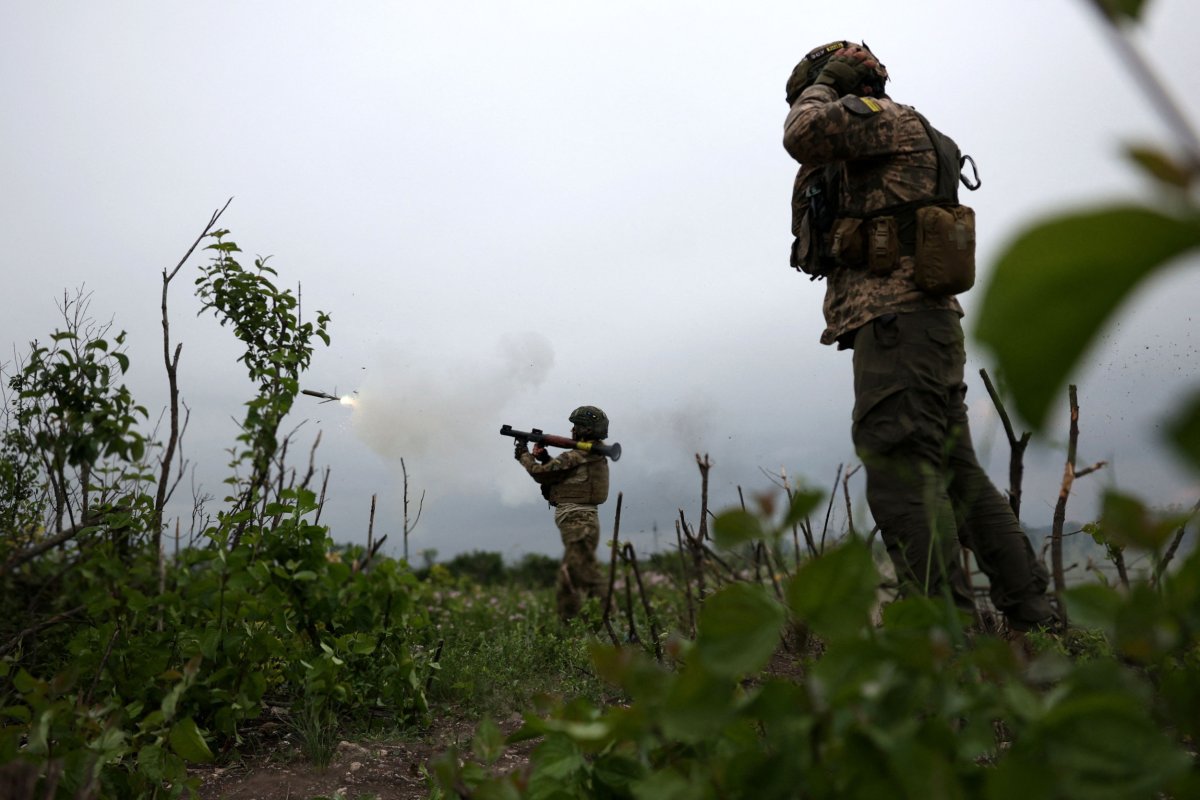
<point x="875" y="213"/>
<point x="574" y="483"/>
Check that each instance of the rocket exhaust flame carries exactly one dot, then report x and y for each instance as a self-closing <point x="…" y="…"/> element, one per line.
<point x="326" y="397"/>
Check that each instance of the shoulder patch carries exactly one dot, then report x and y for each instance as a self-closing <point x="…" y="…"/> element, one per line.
<point x="862" y="106"/>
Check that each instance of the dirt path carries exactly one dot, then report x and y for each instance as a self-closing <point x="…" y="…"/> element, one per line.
<point x="372" y="770"/>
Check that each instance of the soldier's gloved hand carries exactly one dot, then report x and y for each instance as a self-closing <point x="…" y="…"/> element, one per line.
<point x="847" y="70"/>
<point x="540" y="453"/>
<point x="521" y="448"/>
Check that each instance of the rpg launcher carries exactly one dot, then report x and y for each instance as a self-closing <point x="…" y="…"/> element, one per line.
<point x="613" y="450"/>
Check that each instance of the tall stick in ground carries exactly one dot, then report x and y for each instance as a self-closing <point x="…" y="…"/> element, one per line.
<point x="1161" y="566"/>
<point x="1016" y="447"/>
<point x="846" y="491"/>
<point x="631" y="558"/>
<point x="1060" y="508"/>
<point x="612" y="573"/>
<point x="172" y="365"/>
<point x="829" y="509"/>
<point x="705" y="465"/>
<point x="687" y="581"/>
<point x="409" y="527"/>
<point x="693" y="543"/>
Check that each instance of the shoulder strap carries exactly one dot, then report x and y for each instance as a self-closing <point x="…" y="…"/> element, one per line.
<point x="950" y="162"/>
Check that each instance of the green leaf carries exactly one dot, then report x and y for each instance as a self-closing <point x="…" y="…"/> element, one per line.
<point x="20" y="713"/>
<point x="803" y="504"/>
<point x="835" y="593"/>
<point x="698" y="704"/>
<point x="1059" y="282"/>
<point x="663" y="785"/>
<point x="1161" y="166"/>
<point x="1129" y="9"/>
<point x="488" y="744"/>
<point x="188" y="743"/>
<point x="305" y="575"/>
<point x="362" y="645"/>
<point x="1093" y="605"/>
<point x="1185" y="430"/>
<point x="151" y="760"/>
<point x="1128" y="522"/>
<point x="557" y="758"/>
<point x="734" y="527"/>
<point x="738" y="629"/>
<point x="616" y="772"/>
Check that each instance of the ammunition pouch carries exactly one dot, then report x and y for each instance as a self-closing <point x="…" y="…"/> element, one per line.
<point x="871" y="242"/>
<point x="587" y="483"/>
<point x="937" y="231"/>
<point x="814" y="208"/>
<point x="883" y="245"/>
<point x="945" y="249"/>
<point x="846" y="242"/>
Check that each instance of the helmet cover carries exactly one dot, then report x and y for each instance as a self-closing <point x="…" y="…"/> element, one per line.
<point x="806" y="72"/>
<point x="591" y="422"/>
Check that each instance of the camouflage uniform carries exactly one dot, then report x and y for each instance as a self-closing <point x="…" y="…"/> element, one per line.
<point x="925" y="487"/>
<point x="574" y="482"/>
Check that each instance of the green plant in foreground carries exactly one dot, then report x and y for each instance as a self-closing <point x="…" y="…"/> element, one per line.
<point x="120" y="668"/>
<point x="912" y="708"/>
<point x="502" y="647"/>
<point x="316" y="729"/>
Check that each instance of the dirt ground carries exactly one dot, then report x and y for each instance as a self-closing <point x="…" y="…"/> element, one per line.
<point x="369" y="770"/>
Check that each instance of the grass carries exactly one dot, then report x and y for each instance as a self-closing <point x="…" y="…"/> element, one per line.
<point x="316" y="729"/>
<point x="503" y="646"/>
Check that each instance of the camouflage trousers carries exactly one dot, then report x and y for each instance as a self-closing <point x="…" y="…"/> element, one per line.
<point x="579" y="573"/>
<point x="925" y="487"/>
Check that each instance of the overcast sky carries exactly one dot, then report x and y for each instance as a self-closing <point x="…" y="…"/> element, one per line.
<point x="514" y="208"/>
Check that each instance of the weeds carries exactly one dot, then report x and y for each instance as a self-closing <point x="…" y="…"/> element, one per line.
<point x="316" y="729"/>
<point x="503" y="647"/>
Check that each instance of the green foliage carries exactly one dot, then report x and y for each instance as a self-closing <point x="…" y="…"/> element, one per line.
<point x="501" y="647"/>
<point x="133" y="668"/>
<point x="279" y="347"/>
<point x="478" y="566"/>
<point x="1121" y="9"/>
<point x="917" y="706"/>
<point x="1054" y="288"/>
<point x="1185" y="430"/>
<point x="534" y="571"/>
<point x="911" y="708"/>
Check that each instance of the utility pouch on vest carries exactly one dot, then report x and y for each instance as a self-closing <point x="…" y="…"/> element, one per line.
<point x="883" y="245"/>
<point x="945" y="249"/>
<point x="846" y="242"/>
<point x="803" y="258"/>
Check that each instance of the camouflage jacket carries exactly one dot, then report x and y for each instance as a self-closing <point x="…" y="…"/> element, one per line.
<point x="573" y="476"/>
<point x="885" y="158"/>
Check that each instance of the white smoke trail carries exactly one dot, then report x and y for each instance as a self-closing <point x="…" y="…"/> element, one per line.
<point x="444" y="419"/>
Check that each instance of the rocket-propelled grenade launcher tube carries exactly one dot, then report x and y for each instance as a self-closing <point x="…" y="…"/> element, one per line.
<point x="612" y="451"/>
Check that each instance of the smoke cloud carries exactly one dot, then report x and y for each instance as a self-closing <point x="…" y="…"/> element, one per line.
<point x="435" y="415"/>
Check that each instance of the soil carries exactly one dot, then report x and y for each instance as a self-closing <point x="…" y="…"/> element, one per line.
<point x="368" y="770"/>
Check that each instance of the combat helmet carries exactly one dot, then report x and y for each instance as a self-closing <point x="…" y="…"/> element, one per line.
<point x="806" y="72"/>
<point x="591" y="422"/>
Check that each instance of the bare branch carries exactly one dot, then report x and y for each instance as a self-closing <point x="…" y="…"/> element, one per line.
<point x="172" y="367"/>
<point x="1161" y="567"/>
<point x="1016" y="447"/>
<point x="1060" y="508"/>
<point x="17" y="559"/>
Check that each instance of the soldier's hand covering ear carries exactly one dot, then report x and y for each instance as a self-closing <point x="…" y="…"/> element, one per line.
<point x="847" y="70"/>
